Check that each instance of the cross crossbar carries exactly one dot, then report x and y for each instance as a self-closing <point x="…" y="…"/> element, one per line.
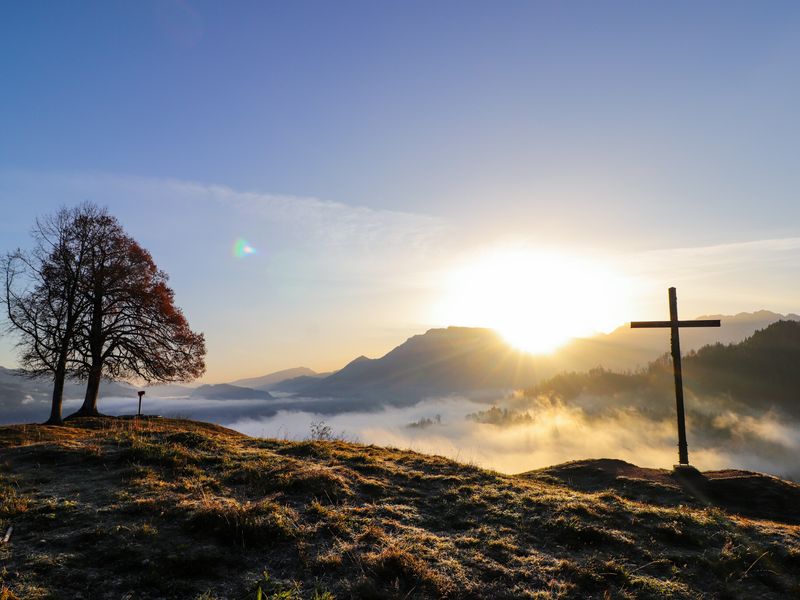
<point x="695" y="323"/>
<point x="674" y="324"/>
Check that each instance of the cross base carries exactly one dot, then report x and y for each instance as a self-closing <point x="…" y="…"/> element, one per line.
<point x="691" y="481"/>
<point x="684" y="467"/>
<point x="687" y="472"/>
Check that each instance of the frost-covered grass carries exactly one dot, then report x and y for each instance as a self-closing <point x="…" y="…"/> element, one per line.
<point x="109" y="508"/>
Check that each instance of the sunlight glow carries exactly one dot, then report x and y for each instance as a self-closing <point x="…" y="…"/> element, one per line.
<point x="538" y="299"/>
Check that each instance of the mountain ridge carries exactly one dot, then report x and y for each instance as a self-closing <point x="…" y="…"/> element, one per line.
<point x="264" y="381"/>
<point x="754" y="375"/>
<point x="440" y="361"/>
<point x="475" y="362"/>
<point x="226" y="391"/>
<point x="428" y="364"/>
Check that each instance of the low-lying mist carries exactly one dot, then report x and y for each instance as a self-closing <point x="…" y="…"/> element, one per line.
<point x="514" y="434"/>
<point x="513" y="440"/>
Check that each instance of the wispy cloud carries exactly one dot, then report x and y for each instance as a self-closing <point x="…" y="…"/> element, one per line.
<point x="322" y="221"/>
<point x="728" y="278"/>
<point x="334" y="222"/>
<point x="729" y="257"/>
<point x="345" y="277"/>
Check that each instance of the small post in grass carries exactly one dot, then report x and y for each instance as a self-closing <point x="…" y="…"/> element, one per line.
<point x="141" y="393"/>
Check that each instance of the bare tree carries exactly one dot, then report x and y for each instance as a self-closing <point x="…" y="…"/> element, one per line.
<point x="132" y="327"/>
<point x="42" y="299"/>
<point x="89" y="302"/>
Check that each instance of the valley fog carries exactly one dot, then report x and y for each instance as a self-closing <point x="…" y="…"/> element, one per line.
<point x="509" y="435"/>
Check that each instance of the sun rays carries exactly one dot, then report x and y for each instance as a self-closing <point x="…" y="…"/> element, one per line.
<point x="537" y="299"/>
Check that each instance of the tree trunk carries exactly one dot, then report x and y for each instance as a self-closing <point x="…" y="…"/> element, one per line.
<point x="89" y="408"/>
<point x="58" y="394"/>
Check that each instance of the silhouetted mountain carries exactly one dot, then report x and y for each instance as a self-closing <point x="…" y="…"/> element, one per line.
<point x="467" y="360"/>
<point x="762" y="371"/>
<point x="224" y="391"/>
<point x="626" y="348"/>
<point x="168" y="390"/>
<point x="439" y="362"/>
<point x="16" y="387"/>
<point x="22" y="398"/>
<point x="296" y="384"/>
<point x="266" y="382"/>
<point x="754" y="375"/>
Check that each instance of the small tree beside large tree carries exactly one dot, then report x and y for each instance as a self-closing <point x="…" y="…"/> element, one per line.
<point x="42" y="297"/>
<point x="89" y="302"/>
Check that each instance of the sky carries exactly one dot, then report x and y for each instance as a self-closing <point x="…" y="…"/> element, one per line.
<point x="401" y="166"/>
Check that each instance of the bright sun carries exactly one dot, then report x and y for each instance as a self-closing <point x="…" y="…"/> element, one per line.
<point x="537" y="299"/>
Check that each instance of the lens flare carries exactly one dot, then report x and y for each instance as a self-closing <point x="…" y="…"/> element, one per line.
<point x="242" y="248"/>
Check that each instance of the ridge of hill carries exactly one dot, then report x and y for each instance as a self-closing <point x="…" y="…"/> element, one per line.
<point x="755" y="375"/>
<point x="625" y="348"/>
<point x="266" y="382"/>
<point x="157" y="508"/>
<point x="297" y="384"/>
<point x="438" y="362"/>
<point x="469" y="360"/>
<point x="226" y="391"/>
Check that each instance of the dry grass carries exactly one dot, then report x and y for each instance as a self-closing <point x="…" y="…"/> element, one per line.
<point x="109" y="508"/>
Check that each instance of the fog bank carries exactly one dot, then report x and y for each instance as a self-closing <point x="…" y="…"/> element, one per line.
<point x="507" y="435"/>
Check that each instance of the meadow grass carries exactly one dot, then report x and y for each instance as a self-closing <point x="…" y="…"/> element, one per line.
<point x="159" y="508"/>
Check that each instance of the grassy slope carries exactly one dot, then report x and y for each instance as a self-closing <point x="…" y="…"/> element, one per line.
<point x="178" y="509"/>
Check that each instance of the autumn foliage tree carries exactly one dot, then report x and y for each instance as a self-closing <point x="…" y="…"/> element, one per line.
<point x="133" y="328"/>
<point x="89" y="302"/>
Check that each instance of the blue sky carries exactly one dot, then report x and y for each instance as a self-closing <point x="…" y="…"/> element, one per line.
<point x="365" y="147"/>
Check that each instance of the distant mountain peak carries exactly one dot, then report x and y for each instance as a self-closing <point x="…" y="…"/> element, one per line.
<point x="438" y="362"/>
<point x="758" y="315"/>
<point x="270" y="379"/>
<point x="357" y="360"/>
<point x="225" y="391"/>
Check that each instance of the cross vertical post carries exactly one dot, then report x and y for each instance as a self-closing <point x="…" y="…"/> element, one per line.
<point x="674" y="325"/>
<point x="675" y="346"/>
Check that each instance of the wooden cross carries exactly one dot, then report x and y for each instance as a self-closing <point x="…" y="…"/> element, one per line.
<point x="674" y="324"/>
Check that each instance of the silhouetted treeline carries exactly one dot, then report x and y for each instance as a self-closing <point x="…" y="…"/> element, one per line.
<point x="761" y="372"/>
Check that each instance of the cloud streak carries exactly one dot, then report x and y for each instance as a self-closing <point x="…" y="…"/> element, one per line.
<point x="330" y="281"/>
<point x="321" y="221"/>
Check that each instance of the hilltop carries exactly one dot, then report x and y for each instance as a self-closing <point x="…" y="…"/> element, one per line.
<point x="157" y="508"/>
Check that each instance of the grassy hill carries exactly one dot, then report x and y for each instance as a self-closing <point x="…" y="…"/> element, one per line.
<point x="110" y="508"/>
